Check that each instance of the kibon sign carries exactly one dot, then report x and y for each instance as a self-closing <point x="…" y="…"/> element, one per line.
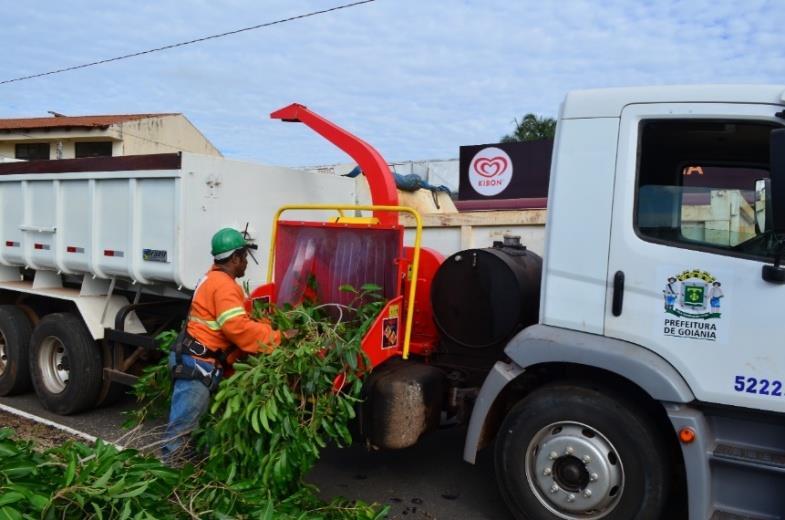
<point x="505" y="170"/>
<point x="490" y="171"/>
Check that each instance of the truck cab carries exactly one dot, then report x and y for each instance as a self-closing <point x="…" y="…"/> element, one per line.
<point x="652" y="385"/>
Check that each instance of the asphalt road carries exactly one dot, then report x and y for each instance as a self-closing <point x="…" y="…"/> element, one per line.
<point x="427" y="481"/>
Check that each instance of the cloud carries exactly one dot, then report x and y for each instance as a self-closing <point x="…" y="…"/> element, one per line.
<point x="416" y="78"/>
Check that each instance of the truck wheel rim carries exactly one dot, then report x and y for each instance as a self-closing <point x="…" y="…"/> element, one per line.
<point x="3" y="355"/>
<point x="53" y="363"/>
<point x="574" y="471"/>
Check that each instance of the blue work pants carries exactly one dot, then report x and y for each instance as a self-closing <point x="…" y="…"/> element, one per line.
<point x="190" y="400"/>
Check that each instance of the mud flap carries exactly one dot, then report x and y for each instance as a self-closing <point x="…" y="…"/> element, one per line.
<point x="403" y="401"/>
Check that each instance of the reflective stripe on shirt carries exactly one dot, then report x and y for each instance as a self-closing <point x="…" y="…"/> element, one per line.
<point x="229" y="314"/>
<point x="212" y="325"/>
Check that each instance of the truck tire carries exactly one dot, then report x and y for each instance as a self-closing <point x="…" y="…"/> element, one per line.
<point x="570" y="452"/>
<point x="15" y="332"/>
<point x="65" y="364"/>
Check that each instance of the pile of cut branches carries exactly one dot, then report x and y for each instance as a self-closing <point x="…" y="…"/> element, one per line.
<point x="76" y="481"/>
<point x="267" y="424"/>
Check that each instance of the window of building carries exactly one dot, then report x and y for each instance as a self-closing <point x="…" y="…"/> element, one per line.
<point x="696" y="185"/>
<point x="32" y="151"/>
<point x="94" y="149"/>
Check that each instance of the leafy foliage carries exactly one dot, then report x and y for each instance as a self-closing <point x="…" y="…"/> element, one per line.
<point x="531" y="128"/>
<point x="153" y="389"/>
<point x="268" y="423"/>
<point x="76" y="481"/>
<point x="270" y="419"/>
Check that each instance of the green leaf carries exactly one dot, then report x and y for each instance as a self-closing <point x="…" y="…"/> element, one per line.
<point x="97" y="510"/>
<point x="287" y="426"/>
<point x="9" y="513"/>
<point x="116" y="487"/>
<point x="268" y="512"/>
<point x="344" y="432"/>
<point x="104" y="479"/>
<point x="349" y="408"/>
<point x="126" y="510"/>
<point x="350" y="358"/>
<point x="255" y="421"/>
<point x="39" y="502"/>
<point x="232" y="472"/>
<point x="10" y="498"/>
<point x="18" y="471"/>
<point x="135" y="492"/>
<point x="265" y="423"/>
<point x="7" y="449"/>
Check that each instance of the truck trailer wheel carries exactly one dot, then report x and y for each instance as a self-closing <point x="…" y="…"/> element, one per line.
<point x="65" y="364"/>
<point x="14" y="350"/>
<point x="571" y="452"/>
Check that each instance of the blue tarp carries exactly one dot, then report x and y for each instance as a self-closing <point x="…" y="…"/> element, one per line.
<point x="411" y="182"/>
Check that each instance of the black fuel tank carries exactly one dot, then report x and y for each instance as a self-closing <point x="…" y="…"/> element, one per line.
<point x="482" y="297"/>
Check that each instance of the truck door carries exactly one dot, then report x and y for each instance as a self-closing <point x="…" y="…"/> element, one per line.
<point x="689" y="240"/>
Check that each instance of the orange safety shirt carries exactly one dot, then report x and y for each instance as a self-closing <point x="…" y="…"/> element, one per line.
<point x="218" y="319"/>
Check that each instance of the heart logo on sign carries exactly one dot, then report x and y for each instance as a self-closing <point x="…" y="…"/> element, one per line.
<point x="490" y="167"/>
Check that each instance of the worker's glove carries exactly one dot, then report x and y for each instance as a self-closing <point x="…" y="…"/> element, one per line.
<point x="289" y="334"/>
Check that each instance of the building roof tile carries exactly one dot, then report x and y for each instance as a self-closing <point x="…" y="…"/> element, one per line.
<point x="101" y="121"/>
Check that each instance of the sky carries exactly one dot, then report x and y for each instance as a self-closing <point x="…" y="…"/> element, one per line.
<point x="414" y="78"/>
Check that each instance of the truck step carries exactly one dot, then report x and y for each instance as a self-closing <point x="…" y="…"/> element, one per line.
<point x="724" y="515"/>
<point x="767" y="460"/>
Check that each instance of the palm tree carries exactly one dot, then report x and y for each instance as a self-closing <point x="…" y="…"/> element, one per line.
<point x="531" y="128"/>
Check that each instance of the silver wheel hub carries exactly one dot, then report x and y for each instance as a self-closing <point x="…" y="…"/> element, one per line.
<point x="574" y="471"/>
<point x="3" y="355"/>
<point x="54" y="365"/>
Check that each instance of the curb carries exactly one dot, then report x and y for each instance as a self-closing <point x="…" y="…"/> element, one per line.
<point x="47" y="422"/>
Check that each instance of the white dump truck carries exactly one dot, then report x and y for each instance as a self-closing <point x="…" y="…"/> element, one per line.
<point x="97" y="255"/>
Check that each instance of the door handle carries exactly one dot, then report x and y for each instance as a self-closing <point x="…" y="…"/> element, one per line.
<point x="618" y="293"/>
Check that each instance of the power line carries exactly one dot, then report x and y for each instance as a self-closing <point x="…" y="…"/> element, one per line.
<point x="161" y="143"/>
<point x="182" y="44"/>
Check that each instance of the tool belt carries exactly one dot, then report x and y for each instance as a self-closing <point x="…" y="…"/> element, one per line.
<point x="193" y="348"/>
<point x="185" y="344"/>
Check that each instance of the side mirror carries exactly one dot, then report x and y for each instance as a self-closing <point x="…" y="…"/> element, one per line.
<point x="776" y="194"/>
<point x="763" y="217"/>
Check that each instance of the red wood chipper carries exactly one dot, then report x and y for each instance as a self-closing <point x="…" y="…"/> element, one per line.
<point x="402" y="399"/>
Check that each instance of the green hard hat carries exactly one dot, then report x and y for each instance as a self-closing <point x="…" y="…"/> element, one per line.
<point x="226" y="241"/>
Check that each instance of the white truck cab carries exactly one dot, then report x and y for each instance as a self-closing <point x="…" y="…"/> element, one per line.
<point x="653" y="385"/>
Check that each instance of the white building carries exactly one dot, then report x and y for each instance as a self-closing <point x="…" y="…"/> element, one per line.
<point x="67" y="137"/>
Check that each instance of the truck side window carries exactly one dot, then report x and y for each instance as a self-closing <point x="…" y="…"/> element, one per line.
<point x="696" y="184"/>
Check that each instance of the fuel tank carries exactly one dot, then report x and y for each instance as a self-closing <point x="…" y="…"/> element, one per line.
<point x="482" y="297"/>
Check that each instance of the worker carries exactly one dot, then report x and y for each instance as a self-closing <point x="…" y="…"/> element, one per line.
<point x="218" y="329"/>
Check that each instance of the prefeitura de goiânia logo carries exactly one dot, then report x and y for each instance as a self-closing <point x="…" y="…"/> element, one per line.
<point x="693" y="294"/>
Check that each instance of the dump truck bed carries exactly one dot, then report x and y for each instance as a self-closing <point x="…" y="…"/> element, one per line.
<point x="148" y="219"/>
